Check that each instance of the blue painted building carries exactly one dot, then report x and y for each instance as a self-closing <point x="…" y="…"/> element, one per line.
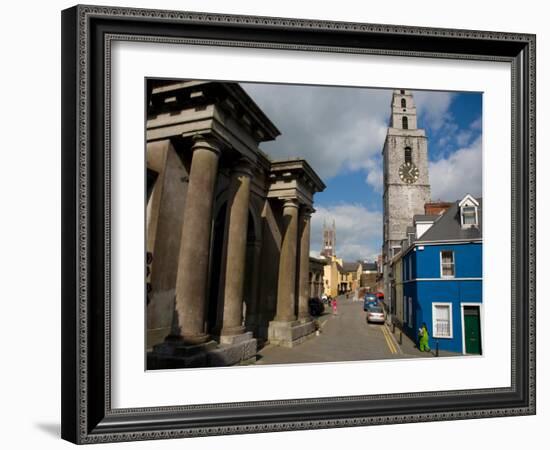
<point x="442" y="278"/>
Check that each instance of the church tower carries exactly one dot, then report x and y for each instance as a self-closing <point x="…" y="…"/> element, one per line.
<point x="406" y="181"/>
<point x="329" y="240"/>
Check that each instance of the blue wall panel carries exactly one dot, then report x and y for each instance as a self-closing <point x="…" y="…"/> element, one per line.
<point x="426" y="264"/>
<point x="468" y="260"/>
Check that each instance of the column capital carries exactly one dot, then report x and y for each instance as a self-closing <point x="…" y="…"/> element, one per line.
<point x="290" y="203"/>
<point x="243" y="166"/>
<point x="306" y="211"/>
<point x="202" y="142"/>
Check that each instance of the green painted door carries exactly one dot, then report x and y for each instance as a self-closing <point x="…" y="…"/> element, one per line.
<point x="472" y="330"/>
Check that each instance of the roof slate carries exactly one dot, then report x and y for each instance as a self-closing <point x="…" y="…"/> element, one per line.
<point x="448" y="227"/>
<point x="350" y="266"/>
<point x="370" y="266"/>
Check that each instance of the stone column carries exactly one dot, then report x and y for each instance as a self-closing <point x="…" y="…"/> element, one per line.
<point x="304" y="286"/>
<point x="195" y="242"/>
<point x="237" y="217"/>
<point x="286" y="286"/>
<point x="252" y="312"/>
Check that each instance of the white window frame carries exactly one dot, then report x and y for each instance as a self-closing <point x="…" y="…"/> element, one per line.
<point x="441" y="264"/>
<point x="467" y="225"/>
<point x="451" y="332"/>
<point x="468" y="201"/>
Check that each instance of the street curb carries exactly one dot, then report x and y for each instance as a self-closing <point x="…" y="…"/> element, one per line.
<point x="394" y="340"/>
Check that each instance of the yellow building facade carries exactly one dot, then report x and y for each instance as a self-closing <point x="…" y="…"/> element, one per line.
<point x="341" y="277"/>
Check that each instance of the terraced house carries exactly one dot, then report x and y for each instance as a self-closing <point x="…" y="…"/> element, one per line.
<point x="442" y="277"/>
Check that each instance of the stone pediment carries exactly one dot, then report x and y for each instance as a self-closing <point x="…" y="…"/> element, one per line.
<point x="185" y="108"/>
<point x="294" y="178"/>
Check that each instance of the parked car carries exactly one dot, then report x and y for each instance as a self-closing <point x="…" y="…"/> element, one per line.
<point x="316" y="307"/>
<point x="375" y="314"/>
<point x="380" y="296"/>
<point x="370" y="300"/>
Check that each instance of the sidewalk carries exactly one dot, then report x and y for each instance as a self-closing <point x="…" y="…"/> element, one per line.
<point x="408" y="346"/>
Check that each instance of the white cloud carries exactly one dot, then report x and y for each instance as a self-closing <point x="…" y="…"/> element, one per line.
<point x="341" y="129"/>
<point x="476" y="124"/>
<point x="460" y="173"/>
<point x="337" y="129"/>
<point x="463" y="137"/>
<point x="432" y="108"/>
<point x="358" y="230"/>
<point x="334" y="128"/>
<point x="375" y="178"/>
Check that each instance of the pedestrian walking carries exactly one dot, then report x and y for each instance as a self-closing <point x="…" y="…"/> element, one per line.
<point x="334" y="306"/>
<point x="423" y="337"/>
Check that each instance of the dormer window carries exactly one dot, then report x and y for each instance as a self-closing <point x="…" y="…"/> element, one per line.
<point x="469" y="214"/>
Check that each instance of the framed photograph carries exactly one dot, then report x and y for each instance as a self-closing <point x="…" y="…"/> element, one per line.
<point x="283" y="224"/>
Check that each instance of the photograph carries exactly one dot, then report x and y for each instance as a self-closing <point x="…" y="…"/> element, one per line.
<point x="278" y="224"/>
<point x="300" y="224"/>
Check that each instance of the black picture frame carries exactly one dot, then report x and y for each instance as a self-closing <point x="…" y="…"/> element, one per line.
<point x="87" y="416"/>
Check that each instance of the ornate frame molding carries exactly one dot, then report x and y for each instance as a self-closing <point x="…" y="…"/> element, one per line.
<point x="87" y="416"/>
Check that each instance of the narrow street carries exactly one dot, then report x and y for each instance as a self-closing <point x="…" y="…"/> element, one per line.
<point x="345" y="336"/>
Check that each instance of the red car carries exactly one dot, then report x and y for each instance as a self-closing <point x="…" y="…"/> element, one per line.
<point x="380" y="295"/>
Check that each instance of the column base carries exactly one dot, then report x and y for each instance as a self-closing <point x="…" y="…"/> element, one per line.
<point x="227" y="335"/>
<point x="290" y="334"/>
<point x="305" y="318"/>
<point x="174" y="354"/>
<point x="178" y="355"/>
<point x="234" y="349"/>
<point x="196" y="339"/>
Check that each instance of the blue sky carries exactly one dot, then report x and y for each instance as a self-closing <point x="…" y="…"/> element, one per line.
<point x="340" y="131"/>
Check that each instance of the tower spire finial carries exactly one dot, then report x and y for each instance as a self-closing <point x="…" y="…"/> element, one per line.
<point x="403" y="110"/>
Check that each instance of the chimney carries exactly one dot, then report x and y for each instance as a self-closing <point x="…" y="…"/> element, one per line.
<point x="436" y="208"/>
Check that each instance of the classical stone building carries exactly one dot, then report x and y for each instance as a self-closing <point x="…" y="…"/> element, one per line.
<point x="316" y="277"/>
<point x="406" y="180"/>
<point x="228" y="229"/>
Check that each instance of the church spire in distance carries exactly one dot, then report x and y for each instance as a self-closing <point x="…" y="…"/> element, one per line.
<point x="329" y="240"/>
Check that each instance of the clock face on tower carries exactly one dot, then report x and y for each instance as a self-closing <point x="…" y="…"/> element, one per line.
<point x="408" y="173"/>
